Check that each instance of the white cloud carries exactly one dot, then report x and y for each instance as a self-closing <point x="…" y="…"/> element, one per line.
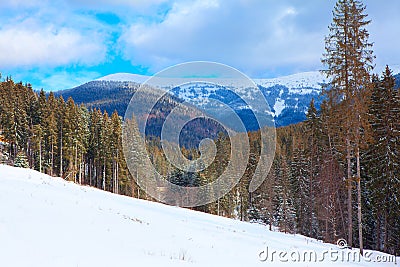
<point x="253" y="37"/>
<point x="66" y="80"/>
<point x="32" y="44"/>
<point x="258" y="37"/>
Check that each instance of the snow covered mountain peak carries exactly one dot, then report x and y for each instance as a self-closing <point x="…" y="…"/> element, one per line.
<point x="288" y="96"/>
<point x="311" y="79"/>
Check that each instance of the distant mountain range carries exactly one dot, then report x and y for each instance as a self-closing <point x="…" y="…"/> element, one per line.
<point x="288" y="96"/>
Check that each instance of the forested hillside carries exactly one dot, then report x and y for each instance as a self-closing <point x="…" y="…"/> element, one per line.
<point x="305" y="191"/>
<point x="104" y="95"/>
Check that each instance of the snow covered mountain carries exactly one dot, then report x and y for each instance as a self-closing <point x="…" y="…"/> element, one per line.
<point x="125" y="77"/>
<point x="311" y="79"/>
<point x="46" y="222"/>
<point x="288" y="97"/>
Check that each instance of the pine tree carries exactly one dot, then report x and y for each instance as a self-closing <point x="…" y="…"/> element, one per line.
<point x="136" y="156"/>
<point x="94" y="150"/>
<point x="349" y="60"/>
<point x="313" y="129"/>
<point x="81" y="141"/>
<point x="331" y="195"/>
<point x="21" y="160"/>
<point x="384" y="158"/>
<point x="38" y="129"/>
<point x="61" y="109"/>
<point x="69" y="140"/>
<point x="105" y="151"/>
<point x="116" y="150"/>
<point x="49" y="124"/>
<point x="285" y="213"/>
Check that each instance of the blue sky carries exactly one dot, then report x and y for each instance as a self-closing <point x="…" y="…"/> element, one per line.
<point x="58" y="44"/>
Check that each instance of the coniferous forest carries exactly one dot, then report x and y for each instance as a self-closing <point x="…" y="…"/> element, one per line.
<point x="335" y="175"/>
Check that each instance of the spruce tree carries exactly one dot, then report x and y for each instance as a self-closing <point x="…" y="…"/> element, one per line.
<point x="313" y="156"/>
<point x="349" y="58"/>
<point x="50" y="131"/>
<point x="61" y="109"/>
<point x="21" y="160"/>
<point x="285" y="213"/>
<point x="116" y="150"/>
<point x="384" y="159"/>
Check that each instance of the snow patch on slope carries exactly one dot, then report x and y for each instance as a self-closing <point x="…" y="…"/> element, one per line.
<point x="279" y="106"/>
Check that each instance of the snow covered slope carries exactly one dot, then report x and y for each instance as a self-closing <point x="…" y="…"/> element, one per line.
<point x="47" y="222"/>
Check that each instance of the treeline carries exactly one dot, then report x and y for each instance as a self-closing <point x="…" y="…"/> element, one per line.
<point x="307" y="188"/>
<point x="61" y="138"/>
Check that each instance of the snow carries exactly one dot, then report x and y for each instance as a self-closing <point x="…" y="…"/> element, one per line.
<point x="279" y="106"/>
<point x="303" y="91"/>
<point x="46" y="222"/>
<point x="311" y="79"/>
<point x="125" y="77"/>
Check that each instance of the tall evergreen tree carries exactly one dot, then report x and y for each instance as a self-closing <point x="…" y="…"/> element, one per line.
<point x="349" y="58"/>
<point x="51" y="131"/>
<point x="285" y="213"/>
<point x="61" y="109"/>
<point x="384" y="160"/>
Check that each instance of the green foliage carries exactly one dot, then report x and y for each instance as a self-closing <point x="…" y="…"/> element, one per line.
<point x="382" y="183"/>
<point x="21" y="160"/>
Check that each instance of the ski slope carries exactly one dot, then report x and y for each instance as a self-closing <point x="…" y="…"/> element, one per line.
<point x="48" y="222"/>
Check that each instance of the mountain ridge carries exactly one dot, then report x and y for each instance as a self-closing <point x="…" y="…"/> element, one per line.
<point x="287" y="96"/>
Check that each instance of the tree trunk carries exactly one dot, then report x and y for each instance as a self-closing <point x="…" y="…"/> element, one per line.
<point x="385" y="232"/>
<point x="40" y="154"/>
<point x="378" y="231"/>
<point x="360" y="226"/>
<point x="104" y="174"/>
<point x="52" y="157"/>
<point x="116" y="175"/>
<point x="61" y="153"/>
<point x="75" y="169"/>
<point x="349" y="195"/>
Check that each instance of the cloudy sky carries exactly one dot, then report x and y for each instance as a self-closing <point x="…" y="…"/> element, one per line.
<point x="58" y="44"/>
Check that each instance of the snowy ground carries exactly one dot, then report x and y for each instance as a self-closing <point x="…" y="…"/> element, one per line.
<point x="47" y="222"/>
